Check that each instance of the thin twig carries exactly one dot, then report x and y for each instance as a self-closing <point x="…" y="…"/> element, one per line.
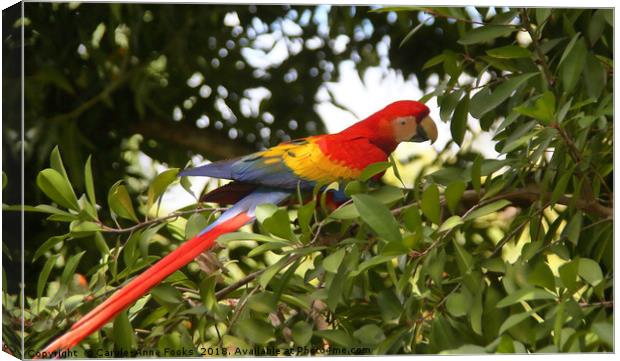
<point x="155" y="220"/>
<point x="468" y="21"/>
<point x="541" y="57"/>
<point x="249" y="278"/>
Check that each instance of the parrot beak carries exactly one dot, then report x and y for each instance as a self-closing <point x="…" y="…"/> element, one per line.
<point x="426" y="130"/>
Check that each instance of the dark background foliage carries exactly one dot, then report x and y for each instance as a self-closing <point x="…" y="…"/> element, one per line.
<point x="486" y="249"/>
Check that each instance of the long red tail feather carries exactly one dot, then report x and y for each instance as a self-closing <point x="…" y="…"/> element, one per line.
<point x="140" y="285"/>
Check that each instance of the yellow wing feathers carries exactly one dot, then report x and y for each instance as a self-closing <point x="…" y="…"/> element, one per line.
<point x="307" y="161"/>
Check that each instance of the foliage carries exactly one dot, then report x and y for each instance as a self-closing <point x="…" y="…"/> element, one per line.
<point x="483" y="255"/>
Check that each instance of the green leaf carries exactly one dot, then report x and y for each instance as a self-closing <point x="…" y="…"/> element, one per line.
<point x="509" y="52"/>
<point x="560" y="186"/>
<point x="412" y="220"/>
<point x="485" y="100"/>
<point x="486" y="209"/>
<point x="605" y="332"/>
<point x="166" y="294"/>
<point x="262" y="302"/>
<point x="448" y="103"/>
<point x="57" y="188"/>
<point x="568" y="274"/>
<point x="494" y="264"/>
<point x="475" y="314"/>
<point x="88" y="181"/>
<point x="378" y="217"/>
<point x="390" y="306"/>
<point x="485" y="33"/>
<point x="195" y="223"/>
<point x="371" y="263"/>
<point x="337" y="336"/>
<point x="542" y="276"/>
<point x="270" y="272"/>
<point x="542" y="14"/>
<point x="70" y="267"/>
<point x="120" y="203"/>
<point x="373" y="169"/>
<point x="47" y="245"/>
<point x="458" y="303"/>
<point x="369" y="334"/>
<point x="332" y="262"/>
<point x="465" y="350"/>
<point x="543" y="108"/>
<point x="411" y="33"/>
<point x="438" y="59"/>
<point x="450" y="223"/>
<point x="45" y="273"/>
<point x="463" y="258"/>
<point x="354" y="187"/>
<point x="453" y="193"/>
<point x="207" y="291"/>
<point x="101" y="244"/>
<point x="159" y="185"/>
<point x="596" y="78"/>
<point x="123" y="333"/>
<point x="590" y="271"/>
<point x="430" y="203"/>
<point x="458" y="124"/>
<point x="568" y="49"/>
<point x="525" y="294"/>
<point x="557" y="325"/>
<point x="302" y="333"/>
<point x="596" y="25"/>
<point x="304" y="216"/>
<point x="269" y="246"/>
<point x="514" y="320"/>
<point x="255" y="331"/>
<point x="57" y="164"/>
<point x="83" y="228"/>
<point x="572" y="231"/>
<point x="476" y="173"/>
<point x="279" y="224"/>
<point x="237" y="236"/>
<point x="187" y="185"/>
<point x="573" y="65"/>
<point x="348" y="211"/>
<point x="264" y="211"/>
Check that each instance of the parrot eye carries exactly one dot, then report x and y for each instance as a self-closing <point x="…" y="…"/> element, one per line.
<point x="403" y="122"/>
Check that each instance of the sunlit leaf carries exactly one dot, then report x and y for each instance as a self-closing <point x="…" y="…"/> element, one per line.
<point x="485" y="33"/>
<point x="159" y="185"/>
<point x="486" y="209"/>
<point x="485" y="100"/>
<point x="57" y="188"/>
<point x="525" y="294"/>
<point x="378" y="217"/>
<point x="120" y="202"/>
<point x="332" y="262"/>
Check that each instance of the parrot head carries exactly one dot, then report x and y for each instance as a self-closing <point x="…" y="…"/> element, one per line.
<point x="401" y="121"/>
<point x="410" y="122"/>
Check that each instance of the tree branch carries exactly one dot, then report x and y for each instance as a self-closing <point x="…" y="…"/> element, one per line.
<point x="105" y="92"/>
<point x="212" y="145"/>
<point x="525" y="197"/>
<point x="531" y="194"/>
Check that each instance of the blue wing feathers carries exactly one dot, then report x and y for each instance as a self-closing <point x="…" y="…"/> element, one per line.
<point x="222" y="169"/>
<point x="252" y="168"/>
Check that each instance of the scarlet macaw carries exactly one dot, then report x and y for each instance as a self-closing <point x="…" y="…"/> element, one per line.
<point x="270" y="176"/>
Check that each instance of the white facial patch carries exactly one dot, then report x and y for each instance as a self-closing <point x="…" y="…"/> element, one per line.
<point x="404" y="128"/>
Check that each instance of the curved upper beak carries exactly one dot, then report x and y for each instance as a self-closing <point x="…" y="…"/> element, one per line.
<point x="426" y="130"/>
